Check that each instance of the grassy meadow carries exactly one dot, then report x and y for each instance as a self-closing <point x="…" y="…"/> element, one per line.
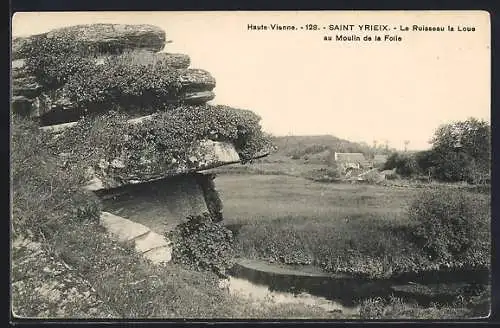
<point x="355" y="228"/>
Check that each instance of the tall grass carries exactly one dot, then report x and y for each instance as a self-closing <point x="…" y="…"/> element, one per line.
<point x="366" y="246"/>
<point x="396" y="308"/>
<point x="44" y="194"/>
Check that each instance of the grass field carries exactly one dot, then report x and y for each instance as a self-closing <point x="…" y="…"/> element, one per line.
<point x="262" y="198"/>
<point x="339" y="227"/>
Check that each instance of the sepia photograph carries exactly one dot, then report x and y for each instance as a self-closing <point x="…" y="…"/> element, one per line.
<point x="250" y="165"/>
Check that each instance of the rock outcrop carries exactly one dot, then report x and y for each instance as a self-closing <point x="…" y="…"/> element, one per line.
<point x="164" y="132"/>
<point x="56" y="106"/>
<point x="108" y="38"/>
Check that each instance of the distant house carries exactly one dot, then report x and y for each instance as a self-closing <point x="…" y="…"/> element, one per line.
<point x="351" y="160"/>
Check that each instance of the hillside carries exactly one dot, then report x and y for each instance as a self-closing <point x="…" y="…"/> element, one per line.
<point x="319" y="147"/>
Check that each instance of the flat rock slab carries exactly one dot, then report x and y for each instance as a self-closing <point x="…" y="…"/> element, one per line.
<point x="159" y="255"/>
<point x="110" y="37"/>
<point x="149" y="241"/>
<point x="153" y="246"/>
<point x="123" y="229"/>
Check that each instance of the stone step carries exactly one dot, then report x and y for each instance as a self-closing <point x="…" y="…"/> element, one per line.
<point x="149" y="241"/>
<point x="124" y="230"/>
<point x="160" y="255"/>
<point x="151" y="245"/>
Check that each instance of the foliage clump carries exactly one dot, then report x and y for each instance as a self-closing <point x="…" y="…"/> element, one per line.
<point x="53" y="60"/>
<point x="117" y="80"/>
<point x="202" y="243"/>
<point x="326" y="174"/>
<point x="451" y="227"/>
<point x="461" y="151"/>
<point x="164" y="142"/>
<point x="395" y="308"/>
<point x="405" y="164"/>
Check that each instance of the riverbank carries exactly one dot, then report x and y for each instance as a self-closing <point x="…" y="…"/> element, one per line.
<point x="134" y="288"/>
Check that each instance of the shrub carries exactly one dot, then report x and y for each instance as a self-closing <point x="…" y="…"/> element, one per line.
<point x="203" y="244"/>
<point x="425" y="160"/>
<point x="395" y="308"/>
<point x="405" y="164"/>
<point x="124" y="84"/>
<point x="450" y="223"/>
<point x="324" y="174"/>
<point x="372" y="308"/>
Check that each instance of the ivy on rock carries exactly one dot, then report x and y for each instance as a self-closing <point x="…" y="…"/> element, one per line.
<point x="161" y="143"/>
<point x="203" y="244"/>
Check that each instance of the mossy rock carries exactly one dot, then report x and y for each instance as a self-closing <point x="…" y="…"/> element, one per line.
<point x="107" y="38"/>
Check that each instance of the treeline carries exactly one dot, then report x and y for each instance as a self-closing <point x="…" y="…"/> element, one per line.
<point x="461" y="151"/>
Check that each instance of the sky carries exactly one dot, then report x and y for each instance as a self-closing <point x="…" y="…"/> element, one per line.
<point x="300" y="84"/>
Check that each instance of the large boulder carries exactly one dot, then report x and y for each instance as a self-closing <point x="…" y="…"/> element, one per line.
<point x="196" y="80"/>
<point x="160" y="204"/>
<point x="202" y="155"/>
<point x="108" y="38"/>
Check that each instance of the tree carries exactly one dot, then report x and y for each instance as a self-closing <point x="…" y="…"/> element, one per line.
<point x="404" y="163"/>
<point x="462" y="151"/>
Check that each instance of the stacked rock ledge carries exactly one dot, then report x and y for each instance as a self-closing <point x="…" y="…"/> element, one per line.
<point x="128" y="49"/>
<point x="111" y="38"/>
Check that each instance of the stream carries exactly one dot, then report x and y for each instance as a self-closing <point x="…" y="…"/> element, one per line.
<point x="267" y="282"/>
<point x="345" y="292"/>
<point x="262" y="293"/>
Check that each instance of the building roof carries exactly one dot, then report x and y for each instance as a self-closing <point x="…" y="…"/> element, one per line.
<point x="350" y="157"/>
